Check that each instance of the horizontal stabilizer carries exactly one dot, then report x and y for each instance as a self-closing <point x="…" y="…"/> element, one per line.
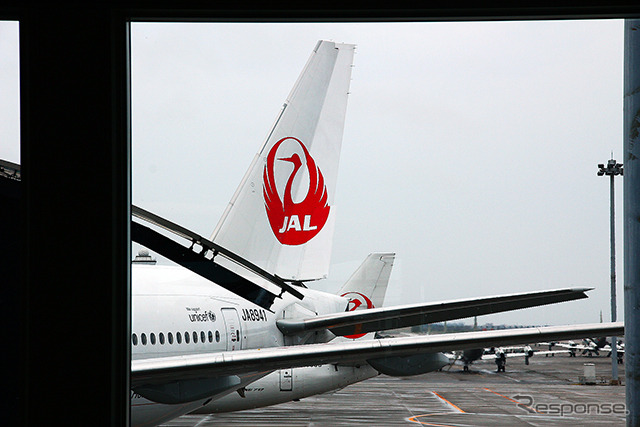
<point x="202" y="266"/>
<point x="167" y="369"/>
<point x="380" y="319"/>
<point x="155" y="239"/>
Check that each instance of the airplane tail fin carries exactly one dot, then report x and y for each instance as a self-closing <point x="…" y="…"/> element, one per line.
<point x="369" y="281"/>
<point x="282" y="215"/>
<point x="367" y="286"/>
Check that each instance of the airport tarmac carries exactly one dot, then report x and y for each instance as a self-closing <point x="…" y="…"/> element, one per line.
<point x="547" y="392"/>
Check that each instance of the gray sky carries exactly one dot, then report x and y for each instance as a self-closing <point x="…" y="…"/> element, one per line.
<point x="470" y="149"/>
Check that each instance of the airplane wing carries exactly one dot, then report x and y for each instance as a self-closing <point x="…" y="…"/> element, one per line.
<point x="167" y="370"/>
<point x="379" y="319"/>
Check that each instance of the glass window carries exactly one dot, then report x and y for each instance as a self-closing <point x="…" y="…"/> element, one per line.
<point x="195" y="336"/>
<point x="134" y="338"/>
<point x="170" y="337"/>
<point x="143" y="338"/>
<point x="153" y="338"/>
<point x="202" y="336"/>
<point x="210" y="336"/>
<point x="161" y="336"/>
<point x="10" y="90"/>
<point x="217" y="336"/>
<point x="179" y="337"/>
<point x="186" y="337"/>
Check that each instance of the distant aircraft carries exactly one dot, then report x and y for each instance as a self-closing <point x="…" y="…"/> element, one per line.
<point x="498" y="354"/>
<point x="467" y="357"/>
<point x="236" y="318"/>
<point x="592" y="347"/>
<point x="619" y="351"/>
<point x="587" y="347"/>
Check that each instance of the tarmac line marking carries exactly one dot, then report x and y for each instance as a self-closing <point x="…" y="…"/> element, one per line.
<point x="503" y="375"/>
<point x="207" y="418"/>
<point x="512" y="400"/>
<point x="511" y="378"/>
<point x="402" y="402"/>
<point x="413" y="420"/>
<point x="450" y="404"/>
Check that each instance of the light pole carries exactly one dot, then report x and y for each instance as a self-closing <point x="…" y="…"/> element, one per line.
<point x="612" y="169"/>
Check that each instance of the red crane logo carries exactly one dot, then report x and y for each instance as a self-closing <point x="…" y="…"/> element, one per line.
<point x="295" y="223"/>
<point x="357" y="301"/>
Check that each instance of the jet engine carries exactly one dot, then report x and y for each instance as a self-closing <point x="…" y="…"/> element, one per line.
<point x="402" y="366"/>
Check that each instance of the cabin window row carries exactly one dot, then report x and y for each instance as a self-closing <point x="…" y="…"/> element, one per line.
<point x="188" y="337"/>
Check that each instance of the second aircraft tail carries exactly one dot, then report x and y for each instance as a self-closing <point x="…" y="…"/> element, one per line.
<point x="367" y="286"/>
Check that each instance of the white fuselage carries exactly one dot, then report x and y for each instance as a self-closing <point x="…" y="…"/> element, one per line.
<point x="286" y="385"/>
<point x="176" y="312"/>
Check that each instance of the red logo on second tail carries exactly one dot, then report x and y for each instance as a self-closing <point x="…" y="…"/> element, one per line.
<point x="357" y="301"/>
<point x="295" y="223"/>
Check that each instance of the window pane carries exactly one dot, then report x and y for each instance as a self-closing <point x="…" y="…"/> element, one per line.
<point x="184" y="89"/>
<point x="10" y="90"/>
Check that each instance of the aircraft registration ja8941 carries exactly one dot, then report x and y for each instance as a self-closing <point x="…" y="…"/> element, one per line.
<point x="232" y="326"/>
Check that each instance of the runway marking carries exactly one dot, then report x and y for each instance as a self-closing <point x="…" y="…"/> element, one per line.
<point x="512" y="400"/>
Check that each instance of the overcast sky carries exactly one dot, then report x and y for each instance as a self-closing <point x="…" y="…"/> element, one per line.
<point x="9" y="92"/>
<point x="470" y="149"/>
